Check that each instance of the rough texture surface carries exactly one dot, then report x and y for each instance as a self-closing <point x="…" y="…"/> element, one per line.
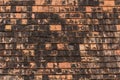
<point x="59" y="40"/>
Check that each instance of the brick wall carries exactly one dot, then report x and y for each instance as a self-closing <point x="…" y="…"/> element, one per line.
<point x="59" y="39"/>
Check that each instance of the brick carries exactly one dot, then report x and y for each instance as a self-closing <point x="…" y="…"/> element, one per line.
<point x="8" y="27"/>
<point x="55" y="27"/>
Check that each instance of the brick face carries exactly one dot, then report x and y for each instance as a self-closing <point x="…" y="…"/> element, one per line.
<point x="59" y="39"/>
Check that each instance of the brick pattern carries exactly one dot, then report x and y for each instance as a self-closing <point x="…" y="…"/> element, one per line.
<point x="59" y="39"/>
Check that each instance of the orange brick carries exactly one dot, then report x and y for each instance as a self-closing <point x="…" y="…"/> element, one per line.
<point x="48" y="46"/>
<point x="39" y="2"/>
<point x="24" y="21"/>
<point x="42" y="8"/>
<point x="13" y="21"/>
<point x="1" y="2"/>
<point x="61" y="46"/>
<point x="34" y="8"/>
<point x="108" y="9"/>
<point x="8" y="8"/>
<point x="105" y="46"/>
<point x="82" y="46"/>
<point x="5" y="1"/>
<point x="93" y="46"/>
<point x="49" y="65"/>
<point x="118" y="27"/>
<point x="88" y="9"/>
<point x="18" y="8"/>
<point x="109" y="3"/>
<point x="55" y="27"/>
<point x="18" y="15"/>
<point x="117" y="52"/>
<point x="69" y="77"/>
<point x="64" y="65"/>
<point x="8" y="27"/>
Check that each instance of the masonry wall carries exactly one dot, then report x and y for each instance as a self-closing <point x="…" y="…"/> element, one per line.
<point x="59" y="39"/>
